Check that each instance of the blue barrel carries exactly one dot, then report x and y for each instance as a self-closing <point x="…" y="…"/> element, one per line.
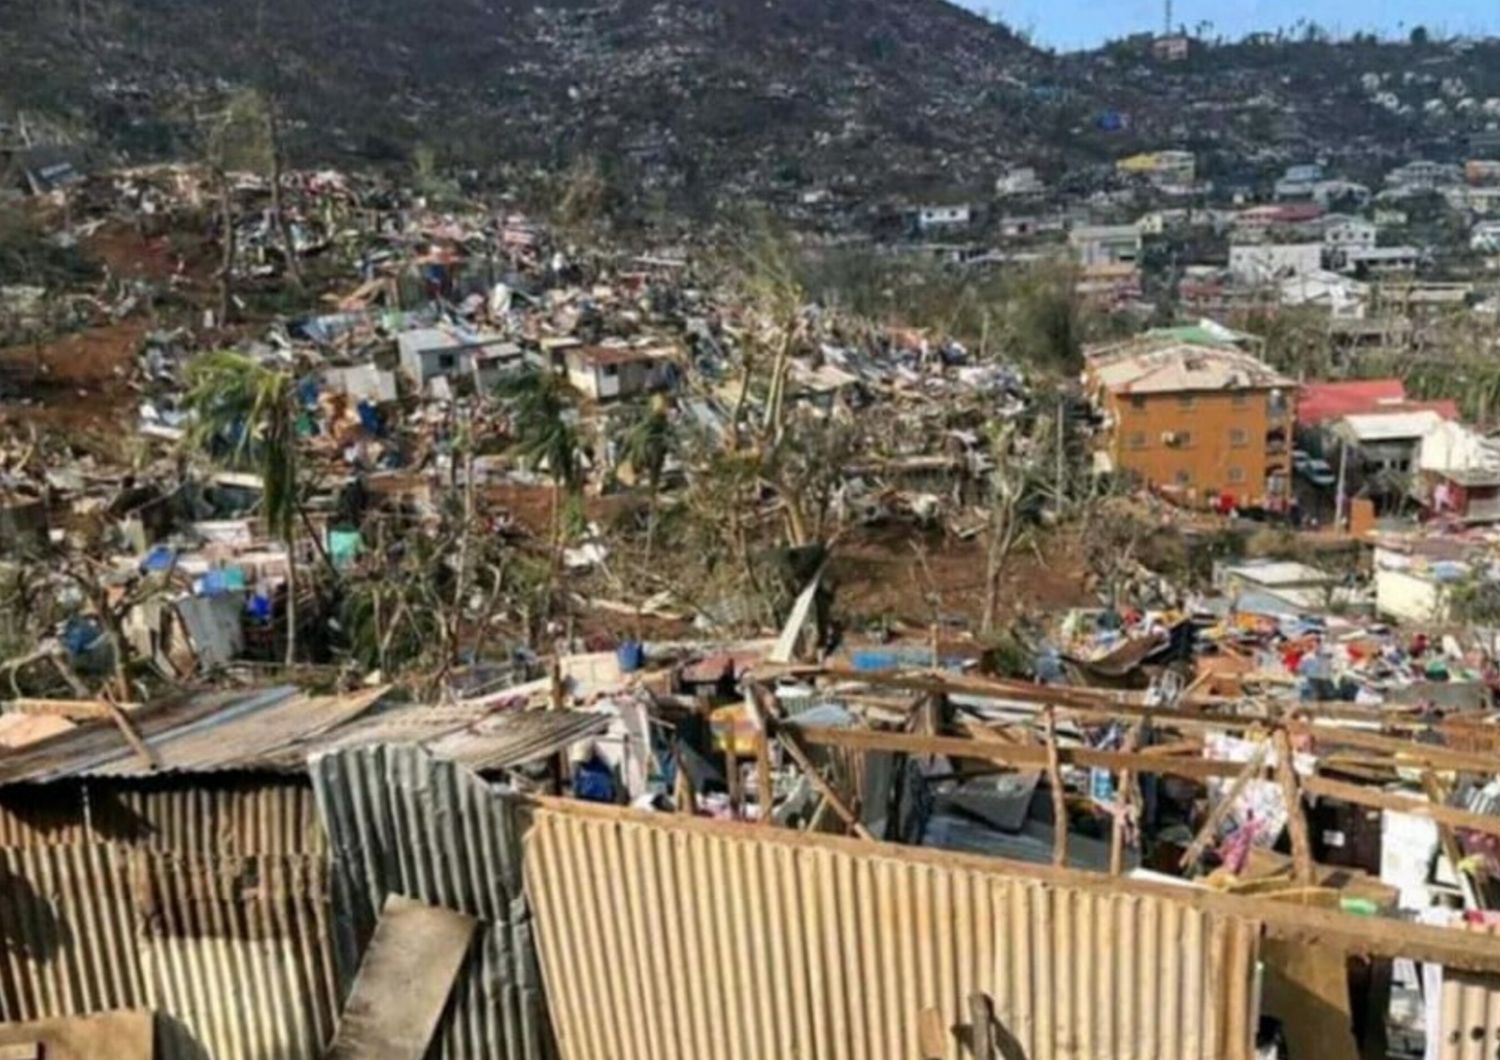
<point x="631" y="655"/>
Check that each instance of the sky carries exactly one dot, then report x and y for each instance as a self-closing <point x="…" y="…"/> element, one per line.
<point x="1068" y="24"/>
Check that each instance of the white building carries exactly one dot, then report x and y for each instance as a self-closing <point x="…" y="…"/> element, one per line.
<point x="1382" y="260"/>
<point x="1259" y="263"/>
<point x="1341" y="232"/>
<point x="451" y="351"/>
<point x="1106" y="244"/>
<point x="1020" y="180"/>
<point x="937" y="217"/>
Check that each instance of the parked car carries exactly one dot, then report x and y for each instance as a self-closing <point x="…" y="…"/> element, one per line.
<point x="1300" y="460"/>
<point x="1319" y="473"/>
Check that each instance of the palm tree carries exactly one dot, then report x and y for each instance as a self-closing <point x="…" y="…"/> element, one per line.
<point x="544" y="437"/>
<point x="246" y="416"/>
<point x="646" y="446"/>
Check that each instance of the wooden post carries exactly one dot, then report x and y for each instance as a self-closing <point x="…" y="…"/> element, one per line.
<point x="1286" y="772"/>
<point x="1473" y="895"/>
<point x="1059" y="799"/>
<point x="1126" y="781"/>
<point x="765" y="791"/>
<point x="732" y="779"/>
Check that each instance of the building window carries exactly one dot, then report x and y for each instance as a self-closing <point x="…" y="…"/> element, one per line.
<point x="1138" y="440"/>
<point x="1240" y="399"/>
<point x="1236" y="474"/>
<point x="1184" y="439"/>
<point x="611" y="370"/>
<point x="1239" y="437"/>
<point x="1186" y="401"/>
<point x="1138" y="402"/>
<point x="447" y="362"/>
<point x="1184" y="478"/>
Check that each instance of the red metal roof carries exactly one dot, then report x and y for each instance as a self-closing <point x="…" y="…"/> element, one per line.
<point x="1319" y="403"/>
<point x="1323" y="402"/>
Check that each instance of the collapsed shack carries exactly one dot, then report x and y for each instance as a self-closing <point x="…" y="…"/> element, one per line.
<point x="231" y="862"/>
<point x="198" y="871"/>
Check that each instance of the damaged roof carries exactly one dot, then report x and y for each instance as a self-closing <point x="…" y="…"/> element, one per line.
<point x="1154" y="367"/>
<point x="276" y="729"/>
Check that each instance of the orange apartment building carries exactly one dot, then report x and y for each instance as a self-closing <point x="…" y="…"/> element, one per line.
<point x="1199" y="421"/>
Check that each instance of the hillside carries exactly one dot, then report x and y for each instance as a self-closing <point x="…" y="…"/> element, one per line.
<point x="695" y="94"/>
<point x="704" y="101"/>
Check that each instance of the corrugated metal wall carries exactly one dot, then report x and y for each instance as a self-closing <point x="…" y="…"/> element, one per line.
<point x="400" y="821"/>
<point x="662" y="939"/>
<point x="226" y="815"/>
<point x="234" y="949"/>
<point x="1470" y="1012"/>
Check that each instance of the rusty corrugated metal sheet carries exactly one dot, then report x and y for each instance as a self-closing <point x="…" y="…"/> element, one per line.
<point x="400" y="821"/>
<point x="662" y="938"/>
<point x="231" y="815"/>
<point x="238" y="951"/>
<point x="234" y="953"/>
<point x="480" y="738"/>
<point x="67" y="932"/>
<point x="213" y="731"/>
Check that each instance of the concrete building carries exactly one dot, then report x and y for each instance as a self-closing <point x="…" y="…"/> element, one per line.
<point x="450" y="351"/>
<point x="1262" y="263"/>
<point x="606" y="373"/>
<point x="1106" y="244"/>
<point x="1199" y="420"/>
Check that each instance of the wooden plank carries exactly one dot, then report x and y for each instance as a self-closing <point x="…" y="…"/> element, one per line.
<point x="1017" y="755"/>
<point x="765" y="790"/>
<point x="1472" y="892"/>
<point x="403" y="982"/>
<point x="835" y="800"/>
<point x="1205" y="836"/>
<point x="1296" y="815"/>
<point x="1307" y="988"/>
<point x="74" y="709"/>
<point x="1410" y="750"/>
<point x="127" y="729"/>
<point x="1389" y="800"/>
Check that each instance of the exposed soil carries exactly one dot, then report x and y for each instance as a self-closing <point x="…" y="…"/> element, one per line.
<point x="77" y="381"/>
<point x="892" y="573"/>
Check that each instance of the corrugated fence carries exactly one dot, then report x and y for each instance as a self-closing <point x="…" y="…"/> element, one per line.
<point x="664" y="939"/>
<point x="402" y="822"/>
<point x="210" y="906"/>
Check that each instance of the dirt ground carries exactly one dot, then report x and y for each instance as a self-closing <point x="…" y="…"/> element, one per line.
<point x="75" y="382"/>
<point x="900" y="575"/>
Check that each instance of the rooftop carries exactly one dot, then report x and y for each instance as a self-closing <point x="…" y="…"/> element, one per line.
<point x="1157" y="366"/>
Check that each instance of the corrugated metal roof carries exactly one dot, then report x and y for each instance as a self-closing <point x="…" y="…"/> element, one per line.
<point x="400" y="821"/>
<point x="662" y="938"/>
<point x="480" y="737"/>
<point x="202" y="733"/>
<point x="277" y="728"/>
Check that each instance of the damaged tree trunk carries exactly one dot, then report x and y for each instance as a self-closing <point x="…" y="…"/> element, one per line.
<point x="227" y="244"/>
<point x="278" y="209"/>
